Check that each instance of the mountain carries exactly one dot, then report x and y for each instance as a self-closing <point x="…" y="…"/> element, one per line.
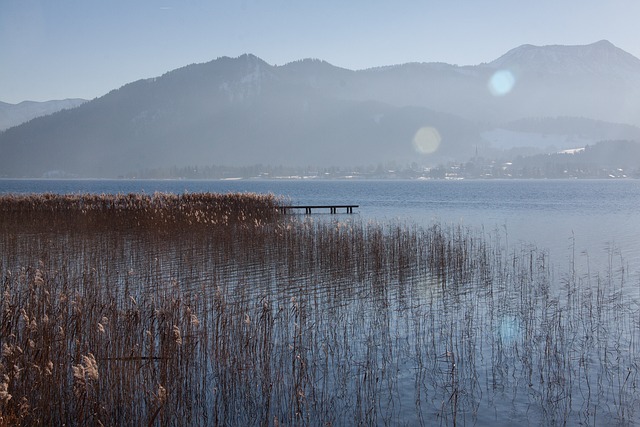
<point x="231" y="111"/>
<point x="601" y="58"/>
<point x="243" y="111"/>
<point x="576" y="127"/>
<point x="597" y="81"/>
<point x="600" y="160"/>
<point x="15" y="114"/>
<point x="541" y="135"/>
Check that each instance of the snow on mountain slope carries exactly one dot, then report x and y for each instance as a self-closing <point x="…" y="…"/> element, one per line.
<point x="238" y="111"/>
<point x="505" y="139"/>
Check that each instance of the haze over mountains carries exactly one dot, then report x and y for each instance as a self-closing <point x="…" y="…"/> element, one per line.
<point x="15" y="114"/>
<point x="243" y="111"/>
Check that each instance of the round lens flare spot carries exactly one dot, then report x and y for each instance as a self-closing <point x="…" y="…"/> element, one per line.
<point x="509" y="329"/>
<point x="427" y="140"/>
<point x="501" y="82"/>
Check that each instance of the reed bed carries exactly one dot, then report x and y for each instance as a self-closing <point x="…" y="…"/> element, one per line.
<point x="109" y="211"/>
<point x="291" y="321"/>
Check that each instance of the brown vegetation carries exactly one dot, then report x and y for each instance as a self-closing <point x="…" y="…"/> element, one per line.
<point x="117" y="211"/>
<point x="275" y="320"/>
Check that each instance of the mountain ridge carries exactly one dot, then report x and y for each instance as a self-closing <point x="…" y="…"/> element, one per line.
<point x="240" y="111"/>
<point x="557" y="58"/>
<point x="15" y="114"/>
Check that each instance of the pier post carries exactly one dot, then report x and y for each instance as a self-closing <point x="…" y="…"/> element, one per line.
<point x="333" y="209"/>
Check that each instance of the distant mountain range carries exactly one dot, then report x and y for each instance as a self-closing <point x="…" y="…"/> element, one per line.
<point x="243" y="111"/>
<point x="16" y="114"/>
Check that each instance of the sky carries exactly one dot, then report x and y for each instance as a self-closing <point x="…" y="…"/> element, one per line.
<point x="86" y="48"/>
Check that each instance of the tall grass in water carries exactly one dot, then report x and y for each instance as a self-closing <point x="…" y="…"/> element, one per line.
<point x="282" y="321"/>
<point x="137" y="210"/>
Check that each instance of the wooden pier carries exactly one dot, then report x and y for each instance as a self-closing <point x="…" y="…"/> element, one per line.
<point x="307" y="208"/>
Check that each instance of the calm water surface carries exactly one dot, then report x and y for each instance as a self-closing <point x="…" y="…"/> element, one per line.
<point x="595" y="222"/>
<point x="422" y="352"/>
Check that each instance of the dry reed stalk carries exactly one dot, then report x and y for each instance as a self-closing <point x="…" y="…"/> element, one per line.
<point x="131" y="211"/>
<point x="299" y="322"/>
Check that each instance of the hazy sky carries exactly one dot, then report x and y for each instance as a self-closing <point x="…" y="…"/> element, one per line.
<point x="85" y="48"/>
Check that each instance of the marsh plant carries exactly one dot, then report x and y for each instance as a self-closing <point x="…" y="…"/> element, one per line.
<point x="116" y="311"/>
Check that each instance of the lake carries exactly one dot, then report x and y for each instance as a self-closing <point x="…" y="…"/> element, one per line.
<point x="392" y="315"/>
<point x="594" y="222"/>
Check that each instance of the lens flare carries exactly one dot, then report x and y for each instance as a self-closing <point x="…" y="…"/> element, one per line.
<point x="509" y="328"/>
<point x="427" y="140"/>
<point x="501" y="82"/>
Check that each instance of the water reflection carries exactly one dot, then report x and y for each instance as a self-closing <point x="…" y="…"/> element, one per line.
<point x="330" y="323"/>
